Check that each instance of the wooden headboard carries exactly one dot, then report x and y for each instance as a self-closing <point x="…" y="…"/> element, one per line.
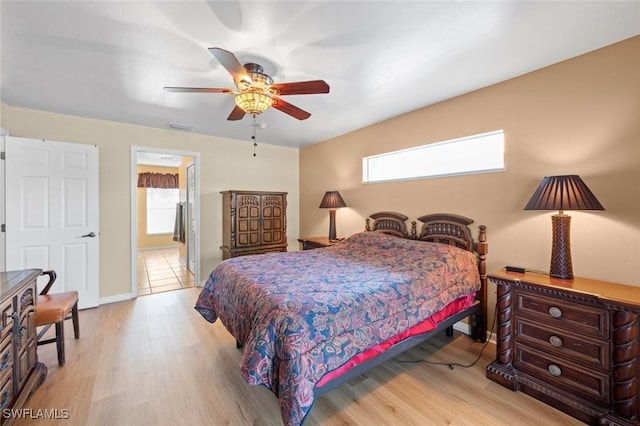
<point x="446" y="228"/>
<point x="388" y="222"/>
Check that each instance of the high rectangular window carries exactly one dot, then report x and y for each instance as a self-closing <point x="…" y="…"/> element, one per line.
<point x="483" y="153"/>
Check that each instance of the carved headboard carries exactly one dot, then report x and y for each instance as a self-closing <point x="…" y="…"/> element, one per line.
<point x="448" y="229"/>
<point x="390" y="223"/>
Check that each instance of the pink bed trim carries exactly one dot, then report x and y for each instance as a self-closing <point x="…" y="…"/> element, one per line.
<point x="422" y="327"/>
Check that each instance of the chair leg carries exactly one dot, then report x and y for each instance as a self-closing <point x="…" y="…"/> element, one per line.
<point x="60" y="342"/>
<point x="76" y="321"/>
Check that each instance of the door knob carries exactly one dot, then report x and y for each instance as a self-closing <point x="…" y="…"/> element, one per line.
<point x="90" y="235"/>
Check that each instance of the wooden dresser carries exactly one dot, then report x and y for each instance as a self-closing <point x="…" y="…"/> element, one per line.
<point x="20" y="371"/>
<point x="573" y="344"/>
<point x="253" y="222"/>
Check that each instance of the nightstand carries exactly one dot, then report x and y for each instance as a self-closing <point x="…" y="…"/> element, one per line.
<point x="573" y="344"/>
<point x="317" y="242"/>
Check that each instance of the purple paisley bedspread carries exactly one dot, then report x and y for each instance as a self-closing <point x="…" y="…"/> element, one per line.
<point x="302" y="314"/>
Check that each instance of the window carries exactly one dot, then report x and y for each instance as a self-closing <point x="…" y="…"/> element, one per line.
<point x="161" y="210"/>
<point x="483" y="153"/>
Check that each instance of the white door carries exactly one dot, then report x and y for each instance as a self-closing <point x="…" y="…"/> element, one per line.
<point x="52" y="212"/>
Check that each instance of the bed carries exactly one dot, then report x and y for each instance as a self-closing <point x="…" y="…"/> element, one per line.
<point x="309" y="321"/>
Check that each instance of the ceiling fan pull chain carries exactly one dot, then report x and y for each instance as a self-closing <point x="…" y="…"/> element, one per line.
<point x="253" y="137"/>
<point x="255" y="144"/>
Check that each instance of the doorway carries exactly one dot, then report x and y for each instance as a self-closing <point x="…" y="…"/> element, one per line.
<point x="170" y="261"/>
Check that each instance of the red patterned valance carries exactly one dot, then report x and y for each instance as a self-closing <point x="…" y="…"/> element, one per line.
<point x="157" y="180"/>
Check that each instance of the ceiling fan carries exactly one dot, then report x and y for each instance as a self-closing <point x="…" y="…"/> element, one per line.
<point x="256" y="91"/>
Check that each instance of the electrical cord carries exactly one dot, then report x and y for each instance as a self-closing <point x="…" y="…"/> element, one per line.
<point x="456" y="364"/>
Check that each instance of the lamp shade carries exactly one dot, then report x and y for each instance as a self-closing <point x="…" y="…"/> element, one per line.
<point x="567" y="192"/>
<point x="332" y="200"/>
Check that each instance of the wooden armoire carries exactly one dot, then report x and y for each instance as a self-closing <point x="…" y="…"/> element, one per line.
<point x="253" y="222"/>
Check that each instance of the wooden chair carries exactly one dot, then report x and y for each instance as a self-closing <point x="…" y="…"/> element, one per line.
<point x="54" y="309"/>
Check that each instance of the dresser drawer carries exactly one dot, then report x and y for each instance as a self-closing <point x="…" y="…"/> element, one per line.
<point x="6" y="319"/>
<point x="591" y="353"/>
<point x="568" y="315"/>
<point x="585" y="383"/>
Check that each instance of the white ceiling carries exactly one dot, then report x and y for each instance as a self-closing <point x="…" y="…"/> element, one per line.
<point x="110" y="59"/>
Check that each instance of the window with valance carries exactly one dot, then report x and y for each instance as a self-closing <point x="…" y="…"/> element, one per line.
<point x="162" y="193"/>
<point x="157" y="180"/>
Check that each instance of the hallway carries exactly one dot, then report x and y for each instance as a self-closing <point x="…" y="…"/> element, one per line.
<point x="161" y="270"/>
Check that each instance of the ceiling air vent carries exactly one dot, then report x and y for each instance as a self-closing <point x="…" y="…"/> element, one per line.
<point x="181" y="126"/>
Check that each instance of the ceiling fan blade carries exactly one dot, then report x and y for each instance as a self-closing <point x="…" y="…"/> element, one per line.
<point x="197" y="90"/>
<point x="231" y="63"/>
<point x="292" y="110"/>
<point x="236" y="114"/>
<point x="302" y="87"/>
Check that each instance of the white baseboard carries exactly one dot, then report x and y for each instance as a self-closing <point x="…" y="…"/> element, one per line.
<point x="115" y="298"/>
<point x="127" y="296"/>
<point x="465" y="328"/>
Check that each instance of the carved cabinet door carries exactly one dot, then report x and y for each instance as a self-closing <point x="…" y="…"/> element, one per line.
<point x="248" y="218"/>
<point x="273" y="218"/>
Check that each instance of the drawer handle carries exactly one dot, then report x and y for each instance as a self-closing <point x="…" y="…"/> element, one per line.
<point x="555" y="341"/>
<point x="555" y="312"/>
<point x="555" y="370"/>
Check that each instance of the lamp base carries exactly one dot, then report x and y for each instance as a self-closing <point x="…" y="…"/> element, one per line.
<point x="561" y="249"/>
<point x="332" y="225"/>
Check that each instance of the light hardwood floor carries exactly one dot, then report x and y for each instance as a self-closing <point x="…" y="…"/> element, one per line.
<point x="156" y="361"/>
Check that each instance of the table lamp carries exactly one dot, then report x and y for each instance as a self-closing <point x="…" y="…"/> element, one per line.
<point x="332" y="200"/>
<point x="562" y="193"/>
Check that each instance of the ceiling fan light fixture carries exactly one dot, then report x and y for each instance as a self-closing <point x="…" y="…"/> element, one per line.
<point x="253" y="102"/>
<point x="256" y="91"/>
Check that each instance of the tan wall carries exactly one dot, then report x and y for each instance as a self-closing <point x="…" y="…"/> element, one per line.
<point x="580" y="117"/>
<point x="225" y="164"/>
<point x="145" y="240"/>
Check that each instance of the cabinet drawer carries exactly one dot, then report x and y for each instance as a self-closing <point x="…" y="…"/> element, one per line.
<point x="590" y="352"/>
<point x="6" y="320"/>
<point x="311" y="245"/>
<point x="26" y="299"/>
<point x="568" y="315"/>
<point x="578" y="381"/>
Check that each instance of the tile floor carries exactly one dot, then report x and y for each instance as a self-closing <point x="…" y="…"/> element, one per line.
<point x="160" y="270"/>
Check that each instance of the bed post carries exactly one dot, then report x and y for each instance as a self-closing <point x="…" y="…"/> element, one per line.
<point x="478" y="320"/>
<point x="414" y="230"/>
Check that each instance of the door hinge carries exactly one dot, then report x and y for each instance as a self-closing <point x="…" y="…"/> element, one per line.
<point x="3" y="228"/>
<point x="2" y="155"/>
